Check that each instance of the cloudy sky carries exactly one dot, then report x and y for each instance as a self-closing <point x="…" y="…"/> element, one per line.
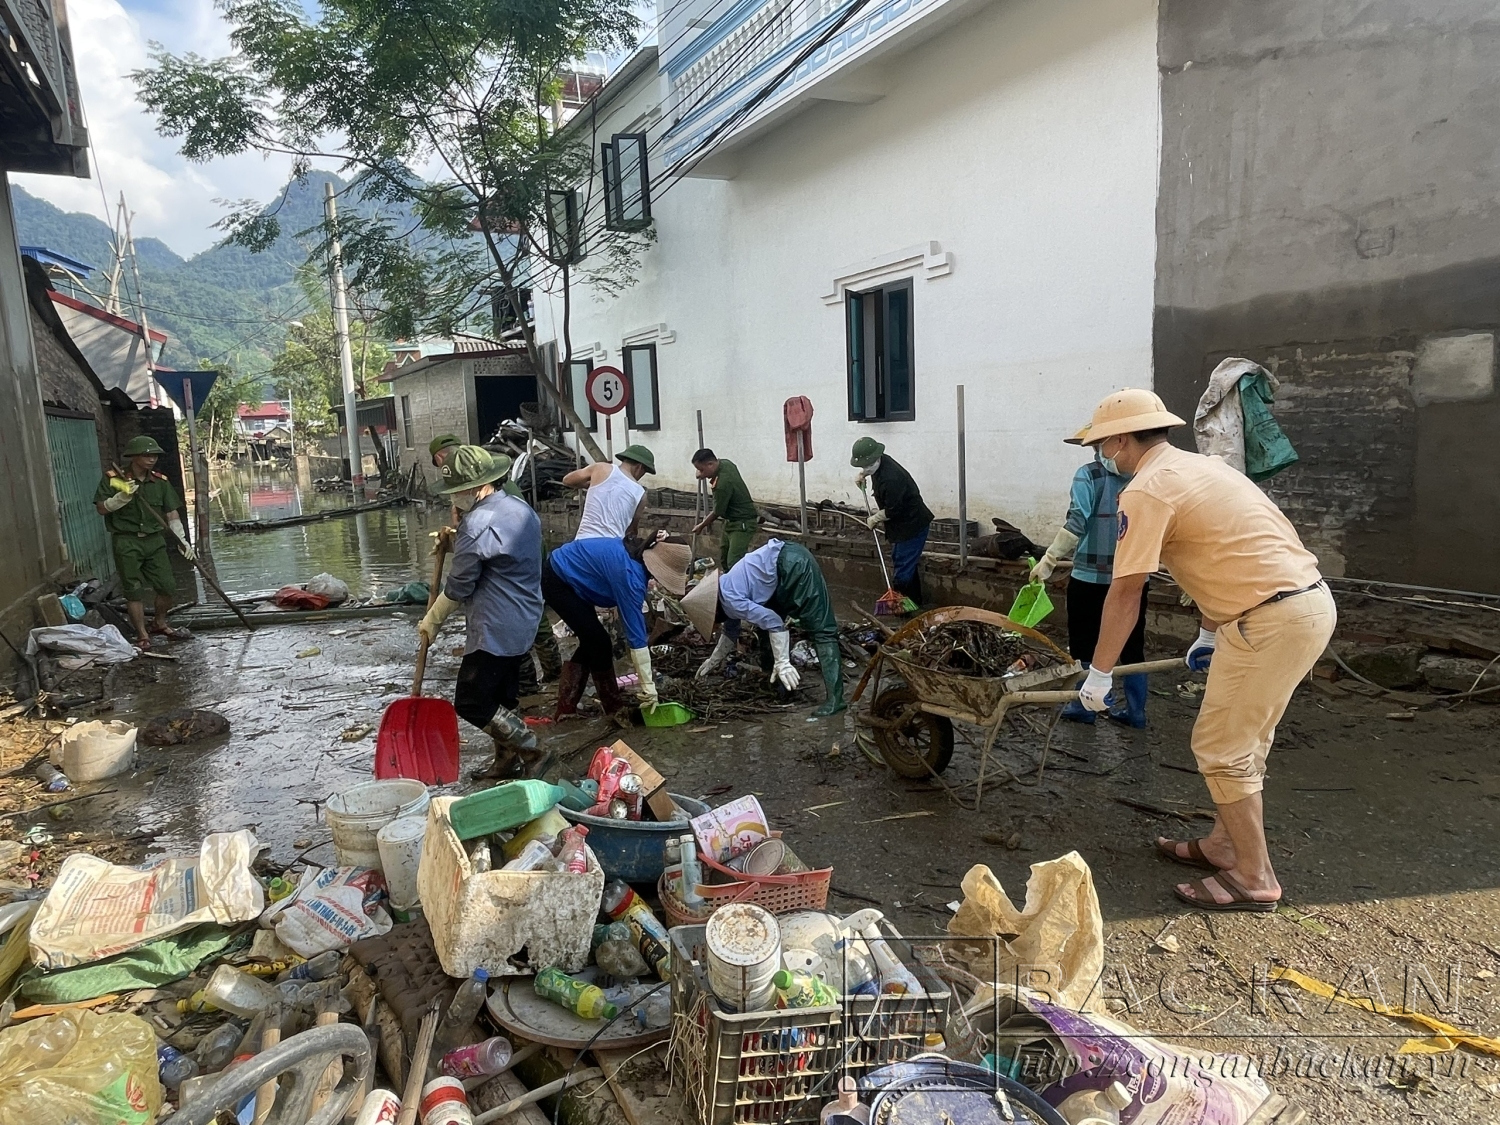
<point x="172" y="198"/>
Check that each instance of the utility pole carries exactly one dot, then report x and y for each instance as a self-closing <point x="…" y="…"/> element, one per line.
<point x="140" y="300"/>
<point x="341" y="330"/>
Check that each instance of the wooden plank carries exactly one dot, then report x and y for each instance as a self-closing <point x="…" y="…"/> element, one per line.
<point x="641" y="1106"/>
<point x="502" y="1088"/>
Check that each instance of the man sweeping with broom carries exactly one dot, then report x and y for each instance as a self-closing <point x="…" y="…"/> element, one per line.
<point x="900" y="512"/>
<point x="767" y="587"/>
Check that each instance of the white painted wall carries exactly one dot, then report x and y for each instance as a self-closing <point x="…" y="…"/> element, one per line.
<point x="1023" y="140"/>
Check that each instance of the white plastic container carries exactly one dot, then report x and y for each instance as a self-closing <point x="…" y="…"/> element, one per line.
<point x="357" y="815"/>
<point x="95" y="750"/>
<point x="744" y="953"/>
<point x="400" y="844"/>
<point x="487" y="918"/>
<point x="381" y="1107"/>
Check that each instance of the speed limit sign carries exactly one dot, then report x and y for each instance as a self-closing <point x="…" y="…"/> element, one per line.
<point x="607" y="390"/>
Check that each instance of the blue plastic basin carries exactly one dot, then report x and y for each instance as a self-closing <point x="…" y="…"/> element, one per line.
<point x="634" y="850"/>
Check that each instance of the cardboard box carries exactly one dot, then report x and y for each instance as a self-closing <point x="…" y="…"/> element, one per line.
<point x="657" y="798"/>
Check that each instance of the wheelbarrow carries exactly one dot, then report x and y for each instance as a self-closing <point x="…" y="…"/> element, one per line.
<point x="913" y="721"/>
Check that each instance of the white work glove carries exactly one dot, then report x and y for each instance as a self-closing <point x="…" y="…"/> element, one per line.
<point x="646" y="692"/>
<point x="1062" y="546"/>
<point x="876" y="520"/>
<point x="119" y="500"/>
<point x="1201" y="651"/>
<point x="180" y="534"/>
<point x="428" y="627"/>
<point x="1096" y="687"/>
<point x="716" y="659"/>
<point x="782" y="669"/>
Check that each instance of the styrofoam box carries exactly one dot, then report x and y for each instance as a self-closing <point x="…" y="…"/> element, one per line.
<point x="484" y="919"/>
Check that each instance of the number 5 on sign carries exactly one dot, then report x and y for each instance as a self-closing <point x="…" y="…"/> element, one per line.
<point x="607" y="390"/>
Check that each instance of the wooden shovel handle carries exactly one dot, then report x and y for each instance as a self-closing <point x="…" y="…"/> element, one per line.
<point x="440" y="553"/>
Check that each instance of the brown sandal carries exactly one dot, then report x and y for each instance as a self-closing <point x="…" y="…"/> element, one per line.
<point x="1239" y="900"/>
<point x="1194" y="858"/>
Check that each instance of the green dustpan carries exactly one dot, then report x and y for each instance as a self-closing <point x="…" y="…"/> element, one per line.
<point x="667" y="715"/>
<point x="1032" y="605"/>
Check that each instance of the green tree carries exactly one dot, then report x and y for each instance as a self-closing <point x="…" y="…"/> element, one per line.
<point x="217" y="412"/>
<point x="461" y="84"/>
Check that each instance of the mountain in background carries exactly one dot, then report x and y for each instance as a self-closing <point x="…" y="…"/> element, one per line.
<point x="225" y="305"/>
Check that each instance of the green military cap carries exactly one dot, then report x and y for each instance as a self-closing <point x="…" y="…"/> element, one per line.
<point x="866" y="452"/>
<point x="470" y="467"/>
<point x="142" y="444"/>
<point x="640" y="455"/>
<point x="441" y="442"/>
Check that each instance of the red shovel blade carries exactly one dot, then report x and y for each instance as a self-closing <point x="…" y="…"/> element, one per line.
<point x="418" y="739"/>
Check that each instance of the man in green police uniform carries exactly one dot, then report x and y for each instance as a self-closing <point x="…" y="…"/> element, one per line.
<point x="139" y="545"/>
<point x="732" y="504"/>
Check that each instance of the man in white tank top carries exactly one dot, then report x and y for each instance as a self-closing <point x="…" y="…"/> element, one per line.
<point x="615" y="495"/>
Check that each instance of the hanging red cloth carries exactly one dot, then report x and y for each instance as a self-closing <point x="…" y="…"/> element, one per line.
<point x="796" y="417"/>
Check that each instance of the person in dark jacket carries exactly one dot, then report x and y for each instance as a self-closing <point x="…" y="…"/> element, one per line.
<point x="900" y="511"/>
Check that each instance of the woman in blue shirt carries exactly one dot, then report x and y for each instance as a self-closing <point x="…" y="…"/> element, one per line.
<point x="1089" y="534"/>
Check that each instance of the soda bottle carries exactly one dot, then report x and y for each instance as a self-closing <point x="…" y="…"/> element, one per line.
<point x="575" y="859"/>
<point x="579" y="997"/>
<point x="477" y="1060"/>
<point x="321" y="967"/>
<point x="461" y="1011"/>
<point x="175" y="1067"/>
<point x="532" y="856"/>
<point x="52" y="778"/>
<point x="801" y="990"/>
<point x="238" y="992"/>
<point x="624" y="905"/>
<point x="216" y="1049"/>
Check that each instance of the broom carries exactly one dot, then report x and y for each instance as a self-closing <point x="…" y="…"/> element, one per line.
<point x="893" y="602"/>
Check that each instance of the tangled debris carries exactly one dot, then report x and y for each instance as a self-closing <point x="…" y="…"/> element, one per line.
<point x="738" y="690"/>
<point x="974" y="648"/>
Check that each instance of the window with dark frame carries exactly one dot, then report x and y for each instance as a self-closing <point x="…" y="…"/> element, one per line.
<point x="642" y="411"/>
<point x="406" y="428"/>
<point x="577" y="389"/>
<point x="878" y="334"/>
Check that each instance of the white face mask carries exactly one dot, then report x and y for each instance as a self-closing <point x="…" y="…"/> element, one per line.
<point x="464" y="501"/>
<point x="873" y="469"/>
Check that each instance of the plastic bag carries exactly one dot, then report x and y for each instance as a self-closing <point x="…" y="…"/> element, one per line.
<point x="83" y="645"/>
<point x="79" y="1068"/>
<point x="295" y="597"/>
<point x="331" y="910"/>
<point x="96" y="909"/>
<point x="334" y="589"/>
<point x="1059" y="932"/>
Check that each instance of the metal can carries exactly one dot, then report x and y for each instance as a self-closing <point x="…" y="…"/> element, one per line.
<point x="619" y="809"/>
<point x="633" y="791"/>
<point x="603" y="757"/>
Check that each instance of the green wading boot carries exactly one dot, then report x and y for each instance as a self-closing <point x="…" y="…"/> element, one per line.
<point x="831" y="664"/>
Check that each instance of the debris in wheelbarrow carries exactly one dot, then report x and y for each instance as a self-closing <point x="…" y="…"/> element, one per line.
<point x="978" y="648"/>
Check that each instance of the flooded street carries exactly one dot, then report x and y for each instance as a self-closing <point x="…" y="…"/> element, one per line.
<point x="371" y="551"/>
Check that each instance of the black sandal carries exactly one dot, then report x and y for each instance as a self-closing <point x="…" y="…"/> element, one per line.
<point x="1239" y="900"/>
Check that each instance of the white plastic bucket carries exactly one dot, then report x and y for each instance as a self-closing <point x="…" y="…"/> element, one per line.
<point x="744" y="953"/>
<point x="95" y="750"/>
<point x="357" y="815"/>
<point x="400" y="844"/>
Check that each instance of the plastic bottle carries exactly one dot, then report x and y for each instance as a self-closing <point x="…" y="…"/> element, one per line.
<point x="1095" y="1105"/>
<point x="174" y="1067"/>
<point x="197" y="1002"/>
<point x="580" y="998"/>
<point x="48" y="1041"/>
<point x="574" y="859"/>
<point x="459" y="1017"/>
<point x="381" y="1107"/>
<point x="216" y="1048"/>
<point x="609" y="931"/>
<point x="52" y="778"/>
<point x="624" y="905"/>
<point x="801" y="990"/>
<point x="532" y="856"/>
<point x="649" y="1005"/>
<point x="621" y="958"/>
<point x="445" y="1103"/>
<point x="478" y="1060"/>
<point x="895" y="978"/>
<point x="321" y="967"/>
<point x="479" y="858"/>
<point x="846" y="1108"/>
<point x="279" y="887"/>
<point x="238" y="992"/>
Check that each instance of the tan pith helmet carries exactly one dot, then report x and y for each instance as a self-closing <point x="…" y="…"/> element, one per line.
<point x="1126" y="412"/>
<point x="702" y="604"/>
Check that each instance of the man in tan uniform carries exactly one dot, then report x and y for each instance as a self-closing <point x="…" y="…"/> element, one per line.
<point x="1267" y="617"/>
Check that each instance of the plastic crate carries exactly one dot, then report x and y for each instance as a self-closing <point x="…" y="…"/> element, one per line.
<point x="782" y="1066"/>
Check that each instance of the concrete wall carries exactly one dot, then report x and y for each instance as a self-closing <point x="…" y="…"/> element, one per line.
<point x="1022" y="142"/>
<point x="1330" y="190"/>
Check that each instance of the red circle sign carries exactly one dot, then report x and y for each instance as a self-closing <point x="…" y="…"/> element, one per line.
<point x="607" y="389"/>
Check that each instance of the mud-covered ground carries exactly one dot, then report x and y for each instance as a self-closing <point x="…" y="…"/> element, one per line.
<point x="1382" y="832"/>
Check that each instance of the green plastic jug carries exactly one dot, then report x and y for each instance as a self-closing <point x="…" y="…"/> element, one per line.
<point x="506" y="806"/>
<point x="1032" y="605"/>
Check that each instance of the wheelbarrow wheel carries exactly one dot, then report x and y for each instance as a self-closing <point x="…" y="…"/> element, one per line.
<point x="922" y="747"/>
